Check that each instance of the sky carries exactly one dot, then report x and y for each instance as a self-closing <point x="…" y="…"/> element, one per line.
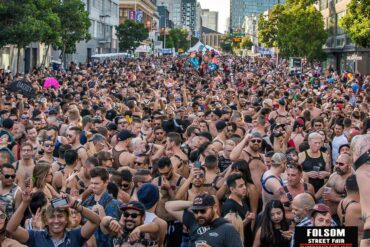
<point x="223" y="8"/>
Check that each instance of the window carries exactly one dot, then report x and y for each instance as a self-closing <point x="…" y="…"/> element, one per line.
<point x="339" y="16"/>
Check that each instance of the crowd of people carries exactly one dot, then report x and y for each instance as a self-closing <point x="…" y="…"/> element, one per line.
<point x="154" y="152"/>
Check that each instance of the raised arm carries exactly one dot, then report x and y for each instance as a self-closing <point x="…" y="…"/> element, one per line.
<point x="176" y="208"/>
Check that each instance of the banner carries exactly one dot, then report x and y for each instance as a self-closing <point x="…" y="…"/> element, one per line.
<point x="325" y="236"/>
<point x="23" y="87"/>
<point x="131" y="14"/>
<point x="139" y="16"/>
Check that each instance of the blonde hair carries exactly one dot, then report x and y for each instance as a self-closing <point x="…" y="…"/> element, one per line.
<point x="237" y="222"/>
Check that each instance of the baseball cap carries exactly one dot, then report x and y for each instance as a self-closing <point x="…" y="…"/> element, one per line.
<point x="111" y="126"/>
<point x="217" y="112"/>
<point x="148" y="194"/>
<point x="135" y="205"/>
<point x="124" y="135"/>
<point x="203" y="201"/>
<point x="321" y="208"/>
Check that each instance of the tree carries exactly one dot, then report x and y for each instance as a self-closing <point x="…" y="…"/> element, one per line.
<point x="74" y="26"/>
<point x="296" y="28"/>
<point x="246" y="43"/>
<point x="130" y="34"/>
<point x="178" y="39"/>
<point x="226" y="43"/>
<point x="23" y="22"/>
<point x="356" y="22"/>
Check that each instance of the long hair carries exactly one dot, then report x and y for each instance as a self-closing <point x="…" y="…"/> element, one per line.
<point x="242" y="166"/>
<point x="267" y="228"/>
<point x="237" y="222"/>
<point x="40" y="172"/>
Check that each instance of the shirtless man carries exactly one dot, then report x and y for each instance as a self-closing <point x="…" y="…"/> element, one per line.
<point x="48" y="147"/>
<point x="24" y="166"/>
<point x="252" y="155"/>
<point x="168" y="183"/>
<point x="360" y="145"/>
<point x="294" y="187"/>
<point x="121" y="153"/>
<point x="333" y="191"/>
<point x="271" y="180"/>
<point x="196" y="179"/>
<point x="349" y="209"/>
<point x="281" y="116"/>
<point x="179" y="160"/>
<point x="310" y="105"/>
<point x="224" y="132"/>
<point x="73" y="138"/>
<point x="31" y="134"/>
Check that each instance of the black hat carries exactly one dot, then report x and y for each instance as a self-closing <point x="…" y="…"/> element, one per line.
<point x="135" y="205"/>
<point x="124" y="135"/>
<point x="203" y="201"/>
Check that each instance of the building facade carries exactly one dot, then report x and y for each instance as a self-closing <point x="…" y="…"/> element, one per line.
<point x="210" y="19"/>
<point x="250" y="26"/>
<point x="164" y="17"/>
<point x="211" y="37"/>
<point x="241" y="8"/>
<point x="174" y="8"/>
<point x="104" y="19"/>
<point x="343" y="55"/>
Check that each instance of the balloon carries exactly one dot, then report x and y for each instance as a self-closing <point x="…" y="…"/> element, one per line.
<point x="51" y="82"/>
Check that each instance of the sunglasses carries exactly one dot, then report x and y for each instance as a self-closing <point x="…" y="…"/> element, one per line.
<point x="133" y="215"/>
<point x="199" y="211"/>
<point x="48" y="145"/>
<point x="68" y="135"/>
<point x="256" y="141"/>
<point x="199" y="175"/>
<point x="122" y="122"/>
<point x="7" y="176"/>
<point x="125" y="185"/>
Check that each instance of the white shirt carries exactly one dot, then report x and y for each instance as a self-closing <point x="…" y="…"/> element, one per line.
<point x="337" y="142"/>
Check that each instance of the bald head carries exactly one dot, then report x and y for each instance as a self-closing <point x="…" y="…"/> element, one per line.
<point x="359" y="145"/>
<point x="304" y="200"/>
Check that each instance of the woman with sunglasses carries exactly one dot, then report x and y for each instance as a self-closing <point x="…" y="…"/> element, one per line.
<point x="5" y="241"/>
<point x="274" y="230"/>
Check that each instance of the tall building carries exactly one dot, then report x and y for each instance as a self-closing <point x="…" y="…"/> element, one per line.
<point x="174" y="8"/>
<point x="103" y="15"/>
<point x="164" y="17"/>
<point x="210" y="19"/>
<point x="241" y="8"/>
<point x="188" y="14"/>
<point x="343" y="55"/>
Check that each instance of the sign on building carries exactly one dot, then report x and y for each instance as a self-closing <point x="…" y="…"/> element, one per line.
<point x="131" y="14"/>
<point x="139" y="16"/>
<point x="354" y="57"/>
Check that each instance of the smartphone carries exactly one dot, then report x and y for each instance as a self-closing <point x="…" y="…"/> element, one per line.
<point x="197" y="164"/>
<point x="59" y="202"/>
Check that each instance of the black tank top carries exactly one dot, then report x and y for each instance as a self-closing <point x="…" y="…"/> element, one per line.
<point x="308" y="166"/>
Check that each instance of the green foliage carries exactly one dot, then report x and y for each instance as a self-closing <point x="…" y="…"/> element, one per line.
<point x="130" y="34"/>
<point x="179" y="38"/>
<point x="75" y="25"/>
<point x="246" y="43"/>
<point x="356" y="22"/>
<point x="296" y="28"/>
<point x="226" y="42"/>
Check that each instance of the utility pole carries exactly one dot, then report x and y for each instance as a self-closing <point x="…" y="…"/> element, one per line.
<point x="165" y="26"/>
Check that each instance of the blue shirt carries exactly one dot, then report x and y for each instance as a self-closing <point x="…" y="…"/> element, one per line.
<point x="72" y="238"/>
<point x="111" y="208"/>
